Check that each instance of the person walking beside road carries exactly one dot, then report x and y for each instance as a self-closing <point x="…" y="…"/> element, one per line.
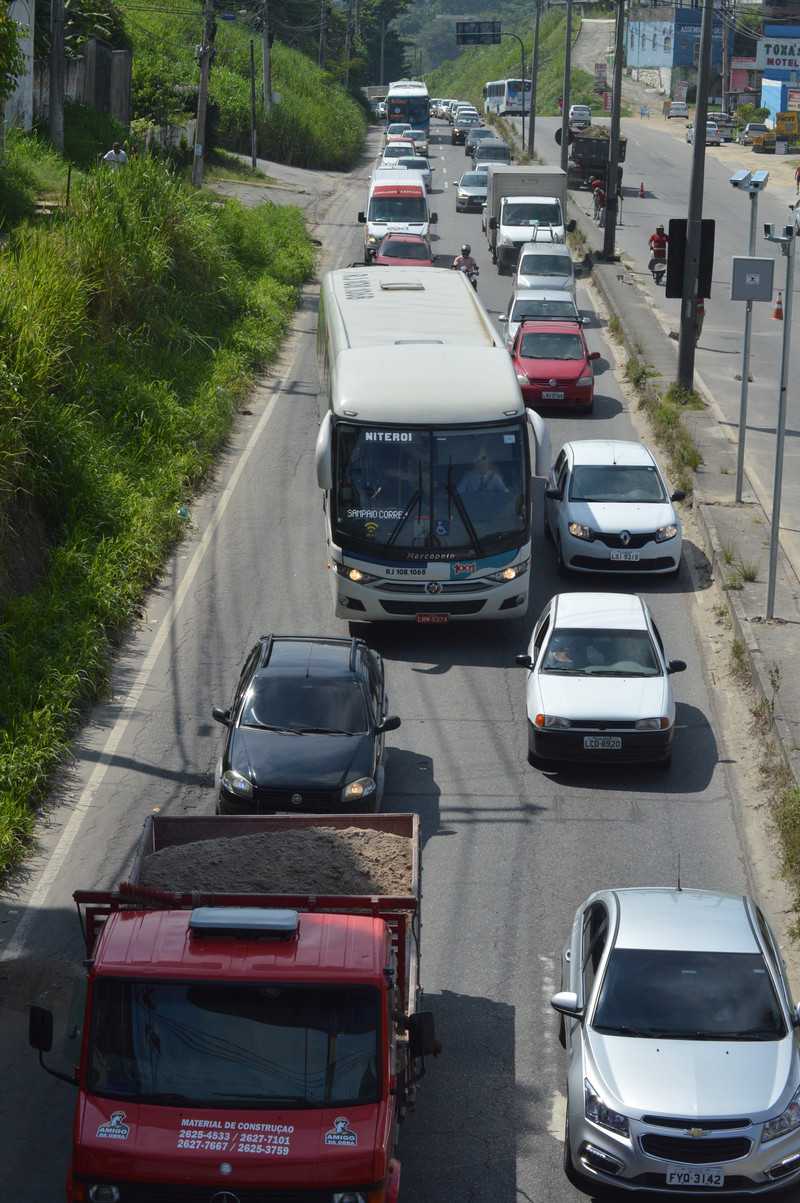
<point x="797" y="180"/>
<point x="115" y="157"/>
<point x="599" y="195"/>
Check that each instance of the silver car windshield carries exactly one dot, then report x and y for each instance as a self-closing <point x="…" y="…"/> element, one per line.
<point x="688" y="996"/>
<point x="542" y="308"/>
<point x="609" y="482"/>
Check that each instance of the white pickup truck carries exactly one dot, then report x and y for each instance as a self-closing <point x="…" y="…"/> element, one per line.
<point x="523" y="204"/>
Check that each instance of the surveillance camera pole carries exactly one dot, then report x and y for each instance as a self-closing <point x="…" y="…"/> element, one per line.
<point x="787" y="243"/>
<point x="612" y="183"/>
<point x="748" y="325"/>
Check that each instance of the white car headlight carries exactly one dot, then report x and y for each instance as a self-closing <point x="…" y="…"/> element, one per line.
<point x="235" y="783"/>
<point x="511" y="573"/>
<point x="600" y="1114"/>
<point x="356" y="790"/>
<point x="579" y="530"/>
<point x="666" y="532"/>
<point x="787" y="1121"/>
<point x="585" y="381"/>
<point x="652" y="724"/>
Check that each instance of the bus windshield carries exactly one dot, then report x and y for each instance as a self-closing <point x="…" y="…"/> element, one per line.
<point x="459" y="490"/>
<point x="415" y="109"/>
<point x="398" y="208"/>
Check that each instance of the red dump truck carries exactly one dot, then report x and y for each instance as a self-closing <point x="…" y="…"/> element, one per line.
<point x="247" y="1046"/>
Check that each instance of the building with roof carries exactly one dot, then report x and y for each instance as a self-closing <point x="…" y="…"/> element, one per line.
<point x="663" y="44"/>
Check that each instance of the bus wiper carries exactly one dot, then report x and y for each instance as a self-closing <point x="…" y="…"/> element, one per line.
<point x="455" y="497"/>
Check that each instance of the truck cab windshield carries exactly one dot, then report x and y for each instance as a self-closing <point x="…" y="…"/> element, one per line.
<point x="229" y="1044"/>
<point x="531" y="213"/>
<point x="383" y="209"/>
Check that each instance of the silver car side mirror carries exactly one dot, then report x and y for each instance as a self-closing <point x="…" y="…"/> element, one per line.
<point x="566" y="1003"/>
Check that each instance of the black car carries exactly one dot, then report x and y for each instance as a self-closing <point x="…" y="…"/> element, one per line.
<point x="474" y="136"/>
<point x="462" y="127"/>
<point x="305" y="729"/>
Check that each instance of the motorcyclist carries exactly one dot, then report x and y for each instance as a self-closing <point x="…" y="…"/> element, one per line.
<point x="464" y="262"/>
<point x="658" y="244"/>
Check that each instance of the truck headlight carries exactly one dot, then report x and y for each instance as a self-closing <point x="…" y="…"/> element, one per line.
<point x="463" y="196"/>
<point x="579" y="530"/>
<point x="596" y="1111"/>
<point x="666" y="532"/>
<point x="787" y="1121"/>
<point x="373" y="239"/>
<point x="235" y="783"/>
<point x="356" y="790"/>
<point x="511" y="573"/>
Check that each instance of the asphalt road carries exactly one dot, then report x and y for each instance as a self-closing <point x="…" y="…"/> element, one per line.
<point x="509" y="851"/>
<point x="662" y="162"/>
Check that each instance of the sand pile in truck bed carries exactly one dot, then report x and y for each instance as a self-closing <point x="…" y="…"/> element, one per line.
<point x="314" y="860"/>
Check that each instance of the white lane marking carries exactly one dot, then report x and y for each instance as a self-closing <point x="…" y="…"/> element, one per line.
<point x="16" y="945"/>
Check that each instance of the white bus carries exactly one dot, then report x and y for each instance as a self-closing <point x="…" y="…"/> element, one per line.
<point x="504" y="97"/>
<point x="408" y="100"/>
<point x="427" y="456"/>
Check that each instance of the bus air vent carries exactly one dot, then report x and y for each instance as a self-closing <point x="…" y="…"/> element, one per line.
<point x="402" y="286"/>
<point x="244" y="921"/>
<point x="357" y="286"/>
<point x="415" y="342"/>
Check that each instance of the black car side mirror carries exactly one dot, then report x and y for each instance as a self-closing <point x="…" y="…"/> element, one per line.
<point x="40" y="1037"/>
<point x="221" y="716"/>
<point x="390" y="723"/>
<point x="434" y="217"/>
<point x="678" y="495"/>
<point x="571" y="226"/>
<point x="422" y="1035"/>
<point x="362" y="219"/>
<point x="676" y="666"/>
<point x="523" y="660"/>
<point x="553" y="494"/>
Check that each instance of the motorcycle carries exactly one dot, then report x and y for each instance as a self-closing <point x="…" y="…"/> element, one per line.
<point x="658" y="268"/>
<point x="471" y="273"/>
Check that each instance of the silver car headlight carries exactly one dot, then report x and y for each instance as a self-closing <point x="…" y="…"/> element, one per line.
<point x="787" y="1121"/>
<point x="511" y="573"/>
<point x="579" y="530"/>
<point x="356" y="790"/>
<point x="666" y="532"/>
<point x="235" y="783"/>
<point x="597" y="1111"/>
<point x="463" y="196"/>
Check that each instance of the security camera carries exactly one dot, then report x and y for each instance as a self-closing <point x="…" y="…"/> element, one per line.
<point x="759" y="180"/>
<point x="740" y="179"/>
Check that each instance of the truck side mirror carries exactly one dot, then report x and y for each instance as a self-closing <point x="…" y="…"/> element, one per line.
<point x="434" y="217"/>
<point x="492" y="223"/>
<point x="422" y="1035"/>
<point x="362" y="219"/>
<point x="571" y="226"/>
<point x="40" y="1029"/>
<point x="221" y="716"/>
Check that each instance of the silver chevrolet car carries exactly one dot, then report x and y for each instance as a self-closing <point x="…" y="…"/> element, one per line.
<point x="682" y="1049"/>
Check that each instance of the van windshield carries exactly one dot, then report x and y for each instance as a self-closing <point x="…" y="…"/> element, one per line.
<point x="384" y="209"/>
<point x="229" y="1044"/>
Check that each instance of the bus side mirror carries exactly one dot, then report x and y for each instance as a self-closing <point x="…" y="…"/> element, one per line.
<point x="492" y="223"/>
<point x="433" y="219"/>
<point x="323" y="456"/>
<point x="362" y="218"/>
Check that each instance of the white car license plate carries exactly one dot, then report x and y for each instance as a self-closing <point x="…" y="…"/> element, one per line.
<point x="611" y="743"/>
<point x="625" y="555"/>
<point x="552" y="396"/>
<point x="691" y="1175"/>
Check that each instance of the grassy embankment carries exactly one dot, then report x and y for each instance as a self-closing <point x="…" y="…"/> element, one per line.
<point x="129" y="329"/>
<point x="465" y="76"/>
<point x="316" y="123"/>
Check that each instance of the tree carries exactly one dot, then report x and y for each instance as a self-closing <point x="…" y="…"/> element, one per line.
<point x="12" y="63"/>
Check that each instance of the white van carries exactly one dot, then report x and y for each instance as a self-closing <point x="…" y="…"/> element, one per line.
<point x="397" y="205"/>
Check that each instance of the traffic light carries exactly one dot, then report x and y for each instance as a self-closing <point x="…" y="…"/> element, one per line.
<point x="676" y="257"/>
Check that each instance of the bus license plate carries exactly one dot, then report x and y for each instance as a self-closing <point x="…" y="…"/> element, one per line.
<point x="690" y="1175"/>
<point x="432" y="618"/>
<point x="608" y="743"/>
<point x="625" y="555"/>
<point x="552" y="396"/>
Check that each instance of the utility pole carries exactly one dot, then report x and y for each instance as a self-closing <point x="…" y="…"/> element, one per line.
<point x="266" y="56"/>
<point x="725" y="65"/>
<point x="206" y="51"/>
<point x="566" y="90"/>
<point x="383" y="48"/>
<point x="534" y="77"/>
<point x="57" y="70"/>
<point x="253" y="137"/>
<point x="612" y="187"/>
<point x="688" y="334"/>
<point x="348" y="35"/>
<point x="323" y="20"/>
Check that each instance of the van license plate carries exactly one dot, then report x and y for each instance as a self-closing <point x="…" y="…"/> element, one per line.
<point x="630" y="556"/>
<point x="432" y="617"/>
<point x="608" y="743"/>
<point x="552" y="396"/>
<point x="690" y="1175"/>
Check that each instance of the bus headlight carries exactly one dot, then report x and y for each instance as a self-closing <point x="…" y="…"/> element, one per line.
<point x="351" y="573"/>
<point x="511" y="573"/>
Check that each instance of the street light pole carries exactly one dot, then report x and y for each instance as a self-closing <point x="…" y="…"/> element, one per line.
<point x="752" y="183"/>
<point x="522" y="74"/>
<point x="565" y="91"/>
<point x="612" y="186"/>
<point x="534" y="74"/>
<point x="787" y="243"/>
<point x="206" y="52"/>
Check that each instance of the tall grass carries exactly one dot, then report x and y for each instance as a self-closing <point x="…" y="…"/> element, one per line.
<point x="128" y="332"/>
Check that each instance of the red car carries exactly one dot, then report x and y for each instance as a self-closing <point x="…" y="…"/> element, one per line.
<point x="554" y="364"/>
<point x="403" y="250"/>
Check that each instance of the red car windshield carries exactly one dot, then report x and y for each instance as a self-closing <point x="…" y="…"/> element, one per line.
<point x="405" y="250"/>
<point x="550" y="345"/>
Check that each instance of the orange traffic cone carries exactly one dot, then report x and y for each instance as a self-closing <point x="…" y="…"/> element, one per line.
<point x="641" y="190"/>
<point x="777" y="312"/>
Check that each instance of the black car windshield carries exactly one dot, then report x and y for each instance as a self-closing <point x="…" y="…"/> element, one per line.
<point x="481" y="135"/>
<point x="383" y="209"/>
<point x="495" y="154"/>
<point x="462" y="490"/>
<point x="473" y="179"/>
<point x="600" y="653"/>
<point x="404" y="250"/>
<point x="545" y="265"/>
<point x="542" y="308"/>
<point x="688" y="996"/>
<point x="548" y="344"/>
<point x="616" y="482"/>
<point x="225" y="1044"/>
<point x="414" y="164"/>
<point x="299" y="702"/>
<point x="529" y="213"/>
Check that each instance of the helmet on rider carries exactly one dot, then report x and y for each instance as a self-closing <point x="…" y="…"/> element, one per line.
<point x="466" y="249"/>
<point x="659" y="229"/>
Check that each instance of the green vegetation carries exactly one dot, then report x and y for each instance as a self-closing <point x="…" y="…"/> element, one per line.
<point x="28" y="169"/>
<point x="466" y="75"/>
<point x="129" y="330"/>
<point x="665" y="411"/>
<point x="316" y="123"/>
<point x="88" y="134"/>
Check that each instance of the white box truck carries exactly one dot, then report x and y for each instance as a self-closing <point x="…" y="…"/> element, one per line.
<point x="524" y="204"/>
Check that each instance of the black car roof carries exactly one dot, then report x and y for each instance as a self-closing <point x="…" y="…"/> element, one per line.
<point x="312" y="656"/>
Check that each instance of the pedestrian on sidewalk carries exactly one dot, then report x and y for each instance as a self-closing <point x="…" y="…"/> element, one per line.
<point x="115" y="157"/>
<point x="699" y="317"/>
<point x="599" y="194"/>
<point x="797" y="180"/>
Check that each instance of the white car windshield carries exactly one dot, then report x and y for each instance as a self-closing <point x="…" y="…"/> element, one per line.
<point x="610" y="482"/>
<point x="574" y="652"/>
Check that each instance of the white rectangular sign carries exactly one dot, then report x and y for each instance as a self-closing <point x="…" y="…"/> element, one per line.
<point x="778" y="52"/>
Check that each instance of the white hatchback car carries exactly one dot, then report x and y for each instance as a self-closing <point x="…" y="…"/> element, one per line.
<point x="599" y="682"/>
<point x="608" y="509"/>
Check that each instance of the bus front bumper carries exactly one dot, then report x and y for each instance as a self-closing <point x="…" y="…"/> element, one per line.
<point x="430" y="602"/>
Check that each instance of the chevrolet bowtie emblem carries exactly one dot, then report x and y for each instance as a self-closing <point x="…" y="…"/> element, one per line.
<point x="694" y="1132"/>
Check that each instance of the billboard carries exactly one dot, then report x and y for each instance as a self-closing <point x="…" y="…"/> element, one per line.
<point x="783" y="53"/>
<point x="793" y="100"/>
<point x="478" y="33"/>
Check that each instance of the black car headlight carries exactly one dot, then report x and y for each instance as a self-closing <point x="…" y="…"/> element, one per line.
<point x="356" y="791"/>
<point x="235" y="783"/>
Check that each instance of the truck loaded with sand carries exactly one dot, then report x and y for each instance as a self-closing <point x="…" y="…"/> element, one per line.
<point x="252" y="1020"/>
